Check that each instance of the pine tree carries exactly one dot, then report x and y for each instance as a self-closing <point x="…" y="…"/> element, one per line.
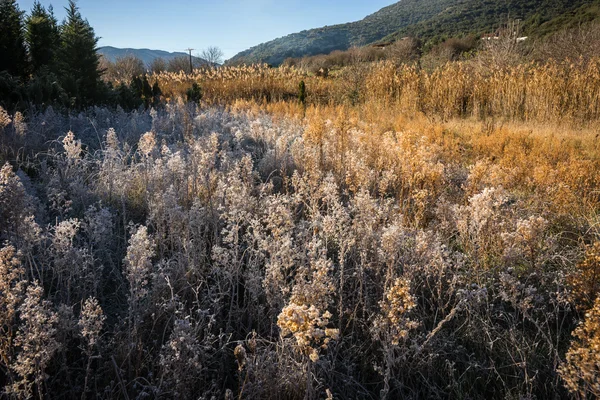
<point x="43" y="38"/>
<point x="137" y="86"/>
<point x="79" y="60"/>
<point x="127" y="98"/>
<point x="194" y="94"/>
<point x="146" y="92"/>
<point x="13" y="57"/>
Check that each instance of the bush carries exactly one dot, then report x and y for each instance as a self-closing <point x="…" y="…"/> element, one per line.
<point x="194" y="94"/>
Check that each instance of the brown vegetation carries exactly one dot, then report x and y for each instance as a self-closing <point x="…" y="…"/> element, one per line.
<point x="403" y="233"/>
<point x="566" y="92"/>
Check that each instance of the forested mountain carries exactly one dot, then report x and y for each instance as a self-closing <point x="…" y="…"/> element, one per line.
<point x="430" y="20"/>
<point x="537" y="17"/>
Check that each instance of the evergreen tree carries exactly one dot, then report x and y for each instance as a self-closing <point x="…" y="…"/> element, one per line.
<point x="79" y="60"/>
<point x="302" y="93"/>
<point x="127" y="98"/>
<point x="13" y="57"/>
<point x="43" y="38"/>
<point x="11" y="92"/>
<point x="194" y="94"/>
<point x="137" y="86"/>
<point x="146" y="92"/>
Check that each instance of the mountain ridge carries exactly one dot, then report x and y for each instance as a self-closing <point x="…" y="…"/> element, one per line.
<point x="339" y="37"/>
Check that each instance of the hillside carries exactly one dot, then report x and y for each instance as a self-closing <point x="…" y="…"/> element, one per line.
<point x="426" y="19"/>
<point x="146" y="55"/>
<point x="486" y="16"/>
<point x="341" y="37"/>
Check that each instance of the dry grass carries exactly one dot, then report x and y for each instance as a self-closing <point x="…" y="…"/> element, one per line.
<point x="404" y="234"/>
<point x="566" y="92"/>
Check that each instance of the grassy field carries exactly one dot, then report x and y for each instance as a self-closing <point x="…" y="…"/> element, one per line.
<point x="403" y="233"/>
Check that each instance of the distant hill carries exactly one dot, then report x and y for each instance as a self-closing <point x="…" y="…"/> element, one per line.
<point x="146" y="55"/>
<point x="341" y="37"/>
<point x="430" y="20"/>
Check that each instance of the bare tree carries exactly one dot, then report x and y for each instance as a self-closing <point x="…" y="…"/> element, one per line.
<point x="178" y="64"/>
<point x="124" y="68"/>
<point x="404" y="51"/>
<point x="104" y="64"/>
<point x="158" y="65"/>
<point x="213" y="55"/>
<point x="503" y="50"/>
<point x="582" y="42"/>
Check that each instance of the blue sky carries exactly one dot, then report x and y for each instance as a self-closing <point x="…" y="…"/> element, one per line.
<point x="232" y="25"/>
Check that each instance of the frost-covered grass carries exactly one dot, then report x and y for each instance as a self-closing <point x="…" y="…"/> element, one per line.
<point x="231" y="252"/>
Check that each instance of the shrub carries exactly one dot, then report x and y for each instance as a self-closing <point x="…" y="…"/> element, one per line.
<point x="194" y="94"/>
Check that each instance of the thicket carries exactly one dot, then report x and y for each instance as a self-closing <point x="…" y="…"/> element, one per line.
<point x="506" y="45"/>
<point x="277" y="250"/>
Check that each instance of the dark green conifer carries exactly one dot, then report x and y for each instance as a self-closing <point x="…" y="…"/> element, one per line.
<point x="43" y="38"/>
<point x="137" y="86"/>
<point x="78" y="58"/>
<point x="194" y="94"/>
<point x="146" y="92"/>
<point x="302" y="92"/>
<point x="13" y="57"/>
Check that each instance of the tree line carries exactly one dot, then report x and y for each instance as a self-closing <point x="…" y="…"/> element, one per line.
<point x="127" y="66"/>
<point x="44" y="62"/>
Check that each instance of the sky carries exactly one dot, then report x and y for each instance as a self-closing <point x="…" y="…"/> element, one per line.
<point x="232" y="25"/>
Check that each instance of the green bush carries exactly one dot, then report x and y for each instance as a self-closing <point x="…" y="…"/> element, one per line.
<point x="194" y="94"/>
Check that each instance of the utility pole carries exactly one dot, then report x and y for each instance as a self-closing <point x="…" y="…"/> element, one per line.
<point x="191" y="64"/>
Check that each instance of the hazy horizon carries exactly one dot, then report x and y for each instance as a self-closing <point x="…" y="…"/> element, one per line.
<point x="232" y="25"/>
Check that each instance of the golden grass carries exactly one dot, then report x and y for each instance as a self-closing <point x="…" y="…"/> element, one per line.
<point x="552" y="92"/>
